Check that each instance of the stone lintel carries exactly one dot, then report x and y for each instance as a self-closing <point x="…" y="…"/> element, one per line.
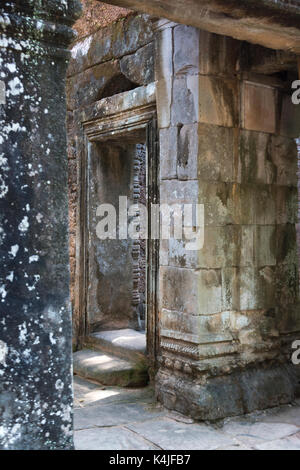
<point x="271" y="24"/>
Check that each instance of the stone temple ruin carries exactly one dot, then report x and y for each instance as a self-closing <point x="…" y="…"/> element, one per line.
<point x="168" y="102"/>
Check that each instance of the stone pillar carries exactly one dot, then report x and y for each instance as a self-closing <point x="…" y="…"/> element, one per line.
<point x="35" y="333"/>
<point x="229" y="312"/>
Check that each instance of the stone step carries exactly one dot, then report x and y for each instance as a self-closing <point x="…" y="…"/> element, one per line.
<point x="126" y="343"/>
<point x="109" y="370"/>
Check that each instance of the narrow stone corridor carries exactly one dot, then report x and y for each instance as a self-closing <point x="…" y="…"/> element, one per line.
<point x="112" y="418"/>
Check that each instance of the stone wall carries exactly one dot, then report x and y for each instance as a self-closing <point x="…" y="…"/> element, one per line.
<point x="228" y="311"/>
<point x="35" y="336"/>
<point x="114" y="59"/>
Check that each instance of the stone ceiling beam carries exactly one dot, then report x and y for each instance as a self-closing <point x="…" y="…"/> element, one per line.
<point x="275" y="25"/>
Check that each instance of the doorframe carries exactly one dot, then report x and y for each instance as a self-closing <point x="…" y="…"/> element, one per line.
<point x="114" y="117"/>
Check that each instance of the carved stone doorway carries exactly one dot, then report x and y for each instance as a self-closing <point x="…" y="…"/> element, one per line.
<point x="117" y="276"/>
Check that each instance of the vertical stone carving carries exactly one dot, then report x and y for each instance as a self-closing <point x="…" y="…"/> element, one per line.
<point x="138" y="246"/>
<point x="35" y="334"/>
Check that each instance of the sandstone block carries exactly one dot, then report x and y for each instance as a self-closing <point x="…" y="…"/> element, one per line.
<point x="139" y="67"/>
<point x="216" y="150"/>
<point x="164" y="54"/>
<point x="255" y="163"/>
<point x="185" y="100"/>
<point x="168" y="152"/>
<point x="259" y="107"/>
<point x="187" y="154"/>
<point x="284" y="156"/>
<point x="178" y="289"/>
<point x="218" y="101"/>
<point x="186" y="50"/>
<point x="218" y="54"/>
<point x="164" y="100"/>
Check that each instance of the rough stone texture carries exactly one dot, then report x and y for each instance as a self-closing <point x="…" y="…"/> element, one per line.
<point x="109" y="418"/>
<point x="271" y="23"/>
<point x="35" y="338"/>
<point x="118" y="39"/>
<point x="97" y="15"/>
<point x="233" y="304"/>
<point x="225" y="142"/>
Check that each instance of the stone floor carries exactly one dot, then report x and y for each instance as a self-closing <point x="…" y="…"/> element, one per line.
<point x="111" y="418"/>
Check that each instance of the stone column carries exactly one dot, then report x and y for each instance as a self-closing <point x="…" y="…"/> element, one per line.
<point x="229" y="312"/>
<point x="35" y="333"/>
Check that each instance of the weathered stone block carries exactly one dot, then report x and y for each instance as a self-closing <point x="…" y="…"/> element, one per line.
<point x="139" y="67"/>
<point x="196" y="329"/>
<point x="230" y="288"/>
<point x="255" y="163"/>
<point x="184" y="108"/>
<point x="266" y="388"/>
<point x="265" y="245"/>
<point x="164" y="54"/>
<point x="264" y="203"/>
<point x="218" y="54"/>
<point x="186" y="50"/>
<point x="179" y="256"/>
<point x="284" y="156"/>
<point x="287" y="285"/>
<point x="179" y="192"/>
<point x="286" y="244"/>
<point x="257" y="288"/>
<point x="164" y="253"/>
<point x="168" y="152"/>
<point x="288" y="318"/>
<point x="178" y="290"/>
<point x="216" y="152"/>
<point x="85" y="88"/>
<point x="209" y="291"/>
<point x="259" y="107"/>
<point x="221" y="247"/>
<point x="218" y="101"/>
<point x="187" y="154"/>
<point x="114" y="41"/>
<point x="218" y="203"/>
<point x="231" y="395"/>
<point x="286" y="205"/>
<point x="227" y="203"/>
<point x="246" y="255"/>
<point x="164" y="100"/>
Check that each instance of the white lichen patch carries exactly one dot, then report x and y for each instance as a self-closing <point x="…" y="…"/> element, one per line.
<point x="15" y="87"/>
<point x="3" y="187"/>
<point x="14" y="250"/>
<point x="3" y="292"/>
<point x="52" y="339"/>
<point x="24" y="225"/>
<point x="59" y="385"/>
<point x="23" y="333"/>
<point x="39" y="218"/>
<point x="11" y="67"/>
<point x="10" y="277"/>
<point x="33" y="258"/>
<point x="3" y="353"/>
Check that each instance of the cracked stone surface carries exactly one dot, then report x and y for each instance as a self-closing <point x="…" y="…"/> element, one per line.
<point x="114" y="418"/>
